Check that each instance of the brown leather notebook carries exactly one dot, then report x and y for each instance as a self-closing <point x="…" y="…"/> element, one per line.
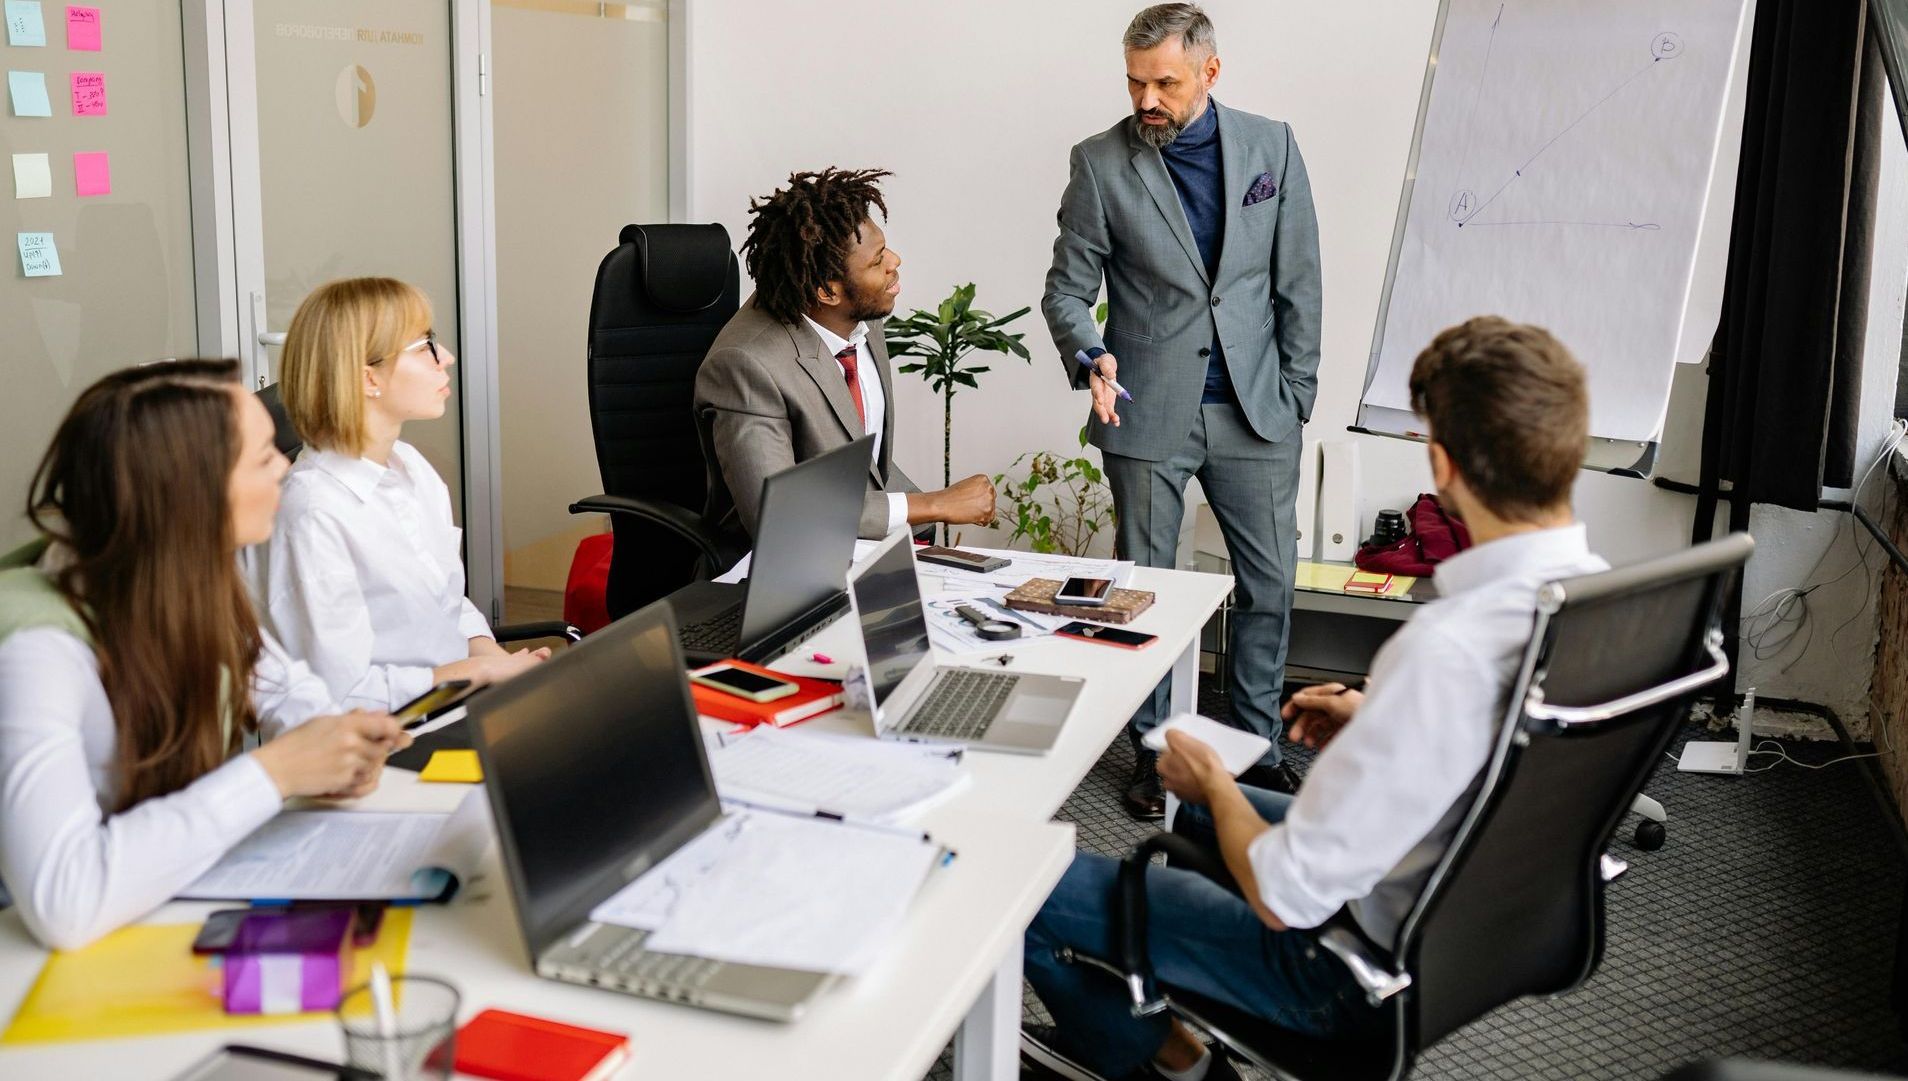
<point x="1036" y="595"/>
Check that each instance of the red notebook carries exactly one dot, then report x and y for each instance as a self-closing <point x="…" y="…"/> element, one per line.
<point x="516" y="1047"/>
<point x="815" y="697"/>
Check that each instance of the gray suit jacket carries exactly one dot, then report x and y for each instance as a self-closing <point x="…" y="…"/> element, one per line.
<point x="1121" y="222"/>
<point x="767" y="397"/>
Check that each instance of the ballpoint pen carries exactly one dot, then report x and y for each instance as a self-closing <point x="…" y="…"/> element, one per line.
<point x="1092" y="364"/>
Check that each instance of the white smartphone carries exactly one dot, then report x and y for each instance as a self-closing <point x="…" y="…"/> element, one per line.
<point x="743" y="683"/>
<point x="1091" y="592"/>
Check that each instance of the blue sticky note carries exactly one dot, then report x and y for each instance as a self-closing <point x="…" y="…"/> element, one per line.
<point x="25" y="26"/>
<point x="39" y="258"/>
<point x="29" y="93"/>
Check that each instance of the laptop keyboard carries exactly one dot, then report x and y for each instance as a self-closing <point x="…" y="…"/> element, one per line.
<point x="962" y="705"/>
<point x="628" y="960"/>
<point x="718" y="635"/>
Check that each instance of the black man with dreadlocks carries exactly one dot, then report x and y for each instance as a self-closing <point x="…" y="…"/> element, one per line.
<point x="802" y="368"/>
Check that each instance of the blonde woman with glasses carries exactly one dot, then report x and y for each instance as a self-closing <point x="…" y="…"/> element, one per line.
<point x="363" y="578"/>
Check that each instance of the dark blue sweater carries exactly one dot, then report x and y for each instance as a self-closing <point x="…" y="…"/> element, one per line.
<point x="1193" y="160"/>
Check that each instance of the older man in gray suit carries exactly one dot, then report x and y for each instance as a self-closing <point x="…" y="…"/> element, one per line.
<point x="802" y="369"/>
<point x="1198" y="218"/>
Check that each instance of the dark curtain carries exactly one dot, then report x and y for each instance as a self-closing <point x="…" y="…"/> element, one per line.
<point x="1785" y="367"/>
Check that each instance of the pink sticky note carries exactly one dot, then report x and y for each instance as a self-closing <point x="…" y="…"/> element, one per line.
<point x="92" y="174"/>
<point x="82" y="29"/>
<point x="89" y="93"/>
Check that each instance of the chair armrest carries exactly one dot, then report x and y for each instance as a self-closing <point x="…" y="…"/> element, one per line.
<point x="549" y="628"/>
<point x="1367" y="968"/>
<point x="678" y="520"/>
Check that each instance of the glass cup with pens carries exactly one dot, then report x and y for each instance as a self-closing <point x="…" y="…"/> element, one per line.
<point x="402" y="1027"/>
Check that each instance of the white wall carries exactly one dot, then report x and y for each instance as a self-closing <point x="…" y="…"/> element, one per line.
<point x="974" y="106"/>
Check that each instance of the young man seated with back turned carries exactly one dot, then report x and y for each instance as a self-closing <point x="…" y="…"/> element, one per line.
<point x="1508" y="416"/>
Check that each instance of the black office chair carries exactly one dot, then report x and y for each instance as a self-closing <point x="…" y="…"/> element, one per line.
<point x="661" y="297"/>
<point x="1515" y="907"/>
<point x="1749" y="1070"/>
<point x="290" y="443"/>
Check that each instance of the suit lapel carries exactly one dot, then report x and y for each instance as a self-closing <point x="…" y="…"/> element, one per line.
<point x="878" y="349"/>
<point x="827" y="374"/>
<point x="1237" y="167"/>
<point x="1159" y="183"/>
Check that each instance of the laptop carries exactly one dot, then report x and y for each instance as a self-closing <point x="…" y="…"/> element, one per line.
<point x="596" y="772"/>
<point x="915" y="699"/>
<point x="804" y="545"/>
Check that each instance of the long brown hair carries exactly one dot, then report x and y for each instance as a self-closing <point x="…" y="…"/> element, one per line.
<point x="135" y="487"/>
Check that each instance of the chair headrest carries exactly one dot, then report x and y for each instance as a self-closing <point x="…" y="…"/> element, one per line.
<point x="684" y="268"/>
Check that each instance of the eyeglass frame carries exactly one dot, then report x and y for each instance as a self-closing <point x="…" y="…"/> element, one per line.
<point x="428" y="341"/>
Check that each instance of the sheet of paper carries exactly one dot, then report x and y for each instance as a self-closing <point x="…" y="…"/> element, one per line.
<point x="857" y="777"/>
<point x="333" y="855"/>
<point x="398" y="791"/>
<point x="32" y="176"/>
<point x="741" y="569"/>
<point x="39" y="256"/>
<point x="92" y="174"/>
<point x="799" y="893"/>
<point x="89" y="93"/>
<point x="25" y="23"/>
<point x="28" y="91"/>
<point x="646" y="902"/>
<point x="1238" y="749"/>
<point x="950" y="633"/>
<point x="1558" y="137"/>
<point x="1025" y="565"/>
<point x="82" y="29"/>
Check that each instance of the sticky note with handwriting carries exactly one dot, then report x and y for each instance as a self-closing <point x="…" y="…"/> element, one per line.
<point x="92" y="173"/>
<point x="89" y="93"/>
<point x="28" y="89"/>
<point x="25" y="25"/>
<point x="82" y="29"/>
<point x="39" y="257"/>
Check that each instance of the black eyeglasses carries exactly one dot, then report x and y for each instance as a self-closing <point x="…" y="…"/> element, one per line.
<point x="428" y="341"/>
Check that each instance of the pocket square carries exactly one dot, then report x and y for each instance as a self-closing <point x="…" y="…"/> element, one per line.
<point x="1262" y="189"/>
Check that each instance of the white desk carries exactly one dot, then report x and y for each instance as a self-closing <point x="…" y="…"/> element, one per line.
<point x="956" y="962"/>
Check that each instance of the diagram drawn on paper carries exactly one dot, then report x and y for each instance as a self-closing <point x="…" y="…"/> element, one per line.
<point x="1561" y="177"/>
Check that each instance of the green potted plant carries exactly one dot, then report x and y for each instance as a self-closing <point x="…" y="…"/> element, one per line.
<point x="944" y="339"/>
<point x="1061" y="505"/>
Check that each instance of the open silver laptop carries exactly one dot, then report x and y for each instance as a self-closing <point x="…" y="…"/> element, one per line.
<point x="915" y="699"/>
<point x="596" y="772"/>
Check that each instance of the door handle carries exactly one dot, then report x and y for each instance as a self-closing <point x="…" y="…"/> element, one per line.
<point x="271" y="337"/>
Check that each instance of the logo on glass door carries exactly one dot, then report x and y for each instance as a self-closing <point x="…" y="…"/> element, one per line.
<point x="357" y="96"/>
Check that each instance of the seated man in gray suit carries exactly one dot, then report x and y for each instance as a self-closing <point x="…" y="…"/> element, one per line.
<point x="788" y="378"/>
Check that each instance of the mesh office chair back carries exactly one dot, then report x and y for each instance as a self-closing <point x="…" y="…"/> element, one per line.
<point x="1516" y="907"/>
<point x="660" y="299"/>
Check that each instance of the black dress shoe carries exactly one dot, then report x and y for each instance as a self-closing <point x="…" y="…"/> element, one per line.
<point x="1143" y="798"/>
<point x="1041" y="1060"/>
<point x="1275" y="778"/>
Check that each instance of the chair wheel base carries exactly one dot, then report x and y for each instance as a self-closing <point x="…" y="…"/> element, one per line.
<point x="1650" y="835"/>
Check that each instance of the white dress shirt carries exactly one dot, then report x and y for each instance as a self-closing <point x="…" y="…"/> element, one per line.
<point x="1383" y="800"/>
<point x="874" y="406"/>
<point x="75" y="869"/>
<point x="363" y="578"/>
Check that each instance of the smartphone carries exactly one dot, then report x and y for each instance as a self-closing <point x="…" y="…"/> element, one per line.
<point x="435" y="702"/>
<point x="743" y="683"/>
<point x="1109" y="636"/>
<point x="1091" y="592"/>
<point x="221" y="929"/>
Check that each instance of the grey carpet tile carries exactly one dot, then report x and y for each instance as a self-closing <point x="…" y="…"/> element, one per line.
<point x="1765" y="928"/>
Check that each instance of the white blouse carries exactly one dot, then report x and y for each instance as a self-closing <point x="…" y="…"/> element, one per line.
<point x="363" y="578"/>
<point x="75" y="869"/>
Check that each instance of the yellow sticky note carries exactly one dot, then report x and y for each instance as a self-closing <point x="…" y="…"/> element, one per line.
<point x="455" y="767"/>
<point x="144" y="980"/>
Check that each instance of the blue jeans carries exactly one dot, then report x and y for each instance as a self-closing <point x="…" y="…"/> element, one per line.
<point x="1203" y="939"/>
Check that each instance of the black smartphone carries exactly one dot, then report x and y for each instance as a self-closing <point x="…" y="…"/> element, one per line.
<point x="435" y="702"/>
<point x="743" y="683"/>
<point x="1106" y="636"/>
<point x="1088" y="591"/>
<point x="221" y="929"/>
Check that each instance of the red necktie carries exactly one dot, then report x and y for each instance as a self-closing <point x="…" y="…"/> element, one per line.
<point x="849" y="357"/>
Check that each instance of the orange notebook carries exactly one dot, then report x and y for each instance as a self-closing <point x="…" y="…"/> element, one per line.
<point x="516" y="1047"/>
<point x="815" y="697"/>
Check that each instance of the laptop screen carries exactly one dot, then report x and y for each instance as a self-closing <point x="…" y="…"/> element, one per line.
<point x="595" y="768"/>
<point x="893" y="626"/>
<point x="805" y="542"/>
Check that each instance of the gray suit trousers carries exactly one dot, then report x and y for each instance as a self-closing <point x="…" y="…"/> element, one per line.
<point x="1252" y="486"/>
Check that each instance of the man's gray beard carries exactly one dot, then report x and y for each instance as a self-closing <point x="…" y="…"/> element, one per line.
<point x="1158" y="136"/>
